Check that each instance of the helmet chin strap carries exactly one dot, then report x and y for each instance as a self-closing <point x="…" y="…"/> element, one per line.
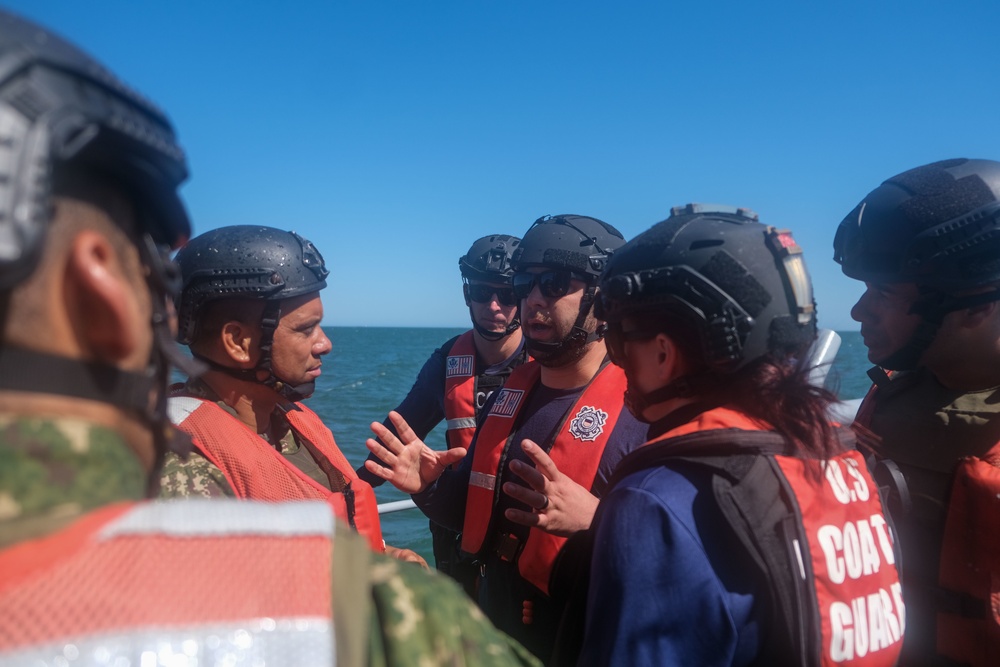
<point x="142" y="394"/>
<point x="514" y="325"/>
<point x="268" y="324"/>
<point x="682" y="387"/>
<point x="578" y="337"/>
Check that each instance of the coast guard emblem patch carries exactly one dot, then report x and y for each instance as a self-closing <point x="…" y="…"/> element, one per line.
<point x="460" y="366"/>
<point x="588" y="424"/>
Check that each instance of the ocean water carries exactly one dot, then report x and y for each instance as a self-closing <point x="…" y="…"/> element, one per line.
<point x="372" y="368"/>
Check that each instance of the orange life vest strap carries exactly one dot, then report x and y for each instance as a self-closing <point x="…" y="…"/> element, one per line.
<point x="459" y="392"/>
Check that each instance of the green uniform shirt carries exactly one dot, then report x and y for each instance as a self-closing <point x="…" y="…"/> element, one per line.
<point x="925" y="428"/>
<point x="387" y="612"/>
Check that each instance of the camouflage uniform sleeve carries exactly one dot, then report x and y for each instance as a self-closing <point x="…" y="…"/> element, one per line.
<point x="195" y="477"/>
<point x="422" y="618"/>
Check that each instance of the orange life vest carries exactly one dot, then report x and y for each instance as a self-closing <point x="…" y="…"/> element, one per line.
<point x="459" y="392"/>
<point x="576" y="451"/>
<point x="969" y="569"/>
<point x="256" y="471"/>
<point x="844" y="557"/>
<point x="193" y="581"/>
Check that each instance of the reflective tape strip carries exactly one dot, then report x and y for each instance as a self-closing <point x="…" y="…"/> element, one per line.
<point x="260" y="641"/>
<point x="461" y="422"/>
<point x="483" y="481"/>
<point x="204" y="517"/>
<point x="180" y="408"/>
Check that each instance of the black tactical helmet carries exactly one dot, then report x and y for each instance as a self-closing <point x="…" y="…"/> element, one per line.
<point x="573" y="243"/>
<point x="488" y="260"/>
<point x="248" y="262"/>
<point x="569" y="242"/>
<point x="245" y="261"/>
<point x="63" y="112"/>
<point x="937" y="226"/>
<point x="59" y="107"/>
<point x="740" y="285"/>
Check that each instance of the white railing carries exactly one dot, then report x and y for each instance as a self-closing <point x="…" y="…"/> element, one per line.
<point x="396" y="506"/>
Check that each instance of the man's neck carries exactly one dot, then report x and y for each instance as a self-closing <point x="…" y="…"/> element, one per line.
<point x="495" y="351"/>
<point x="578" y="373"/>
<point x="254" y="403"/>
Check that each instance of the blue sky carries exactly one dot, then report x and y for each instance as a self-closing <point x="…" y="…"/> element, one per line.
<point x="393" y="134"/>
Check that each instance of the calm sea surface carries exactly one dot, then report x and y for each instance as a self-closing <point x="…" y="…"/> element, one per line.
<point x="371" y="369"/>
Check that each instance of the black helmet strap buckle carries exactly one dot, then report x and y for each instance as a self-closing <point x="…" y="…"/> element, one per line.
<point x="268" y="325"/>
<point x="578" y="335"/>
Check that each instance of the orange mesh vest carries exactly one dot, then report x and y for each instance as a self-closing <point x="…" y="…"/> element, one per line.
<point x="183" y="582"/>
<point x="576" y="451"/>
<point x="459" y="392"/>
<point x="256" y="471"/>
<point x="843" y="547"/>
<point x="969" y="569"/>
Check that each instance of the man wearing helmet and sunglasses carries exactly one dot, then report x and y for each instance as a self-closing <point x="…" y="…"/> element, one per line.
<point x="89" y="573"/>
<point x="927" y="245"/>
<point x="456" y="380"/>
<point x="568" y="400"/>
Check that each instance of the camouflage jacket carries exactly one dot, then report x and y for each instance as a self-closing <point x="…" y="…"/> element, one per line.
<point x="52" y="471"/>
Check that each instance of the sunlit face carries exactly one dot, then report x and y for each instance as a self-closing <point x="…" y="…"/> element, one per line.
<point x="886" y="322"/>
<point x="492" y="315"/>
<point x="299" y="341"/>
<point x="551" y="319"/>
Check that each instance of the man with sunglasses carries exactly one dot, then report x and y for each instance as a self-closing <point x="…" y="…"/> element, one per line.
<point x="568" y="400"/>
<point x="459" y="376"/>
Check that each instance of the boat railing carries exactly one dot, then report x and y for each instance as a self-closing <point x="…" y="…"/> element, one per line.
<point x="396" y="506"/>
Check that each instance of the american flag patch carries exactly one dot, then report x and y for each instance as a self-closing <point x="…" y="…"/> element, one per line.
<point x="507" y="402"/>
<point x="460" y="366"/>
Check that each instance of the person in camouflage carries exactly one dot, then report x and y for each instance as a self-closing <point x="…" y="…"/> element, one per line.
<point x="91" y="572"/>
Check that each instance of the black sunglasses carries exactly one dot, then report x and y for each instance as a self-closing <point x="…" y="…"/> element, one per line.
<point x="481" y="293"/>
<point x="552" y="284"/>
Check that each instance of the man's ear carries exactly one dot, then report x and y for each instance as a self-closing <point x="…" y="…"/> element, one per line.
<point x="236" y="339"/>
<point x="669" y="364"/>
<point x="100" y="298"/>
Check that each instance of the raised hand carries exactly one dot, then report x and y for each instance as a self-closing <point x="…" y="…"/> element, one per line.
<point x="410" y="465"/>
<point x="560" y="505"/>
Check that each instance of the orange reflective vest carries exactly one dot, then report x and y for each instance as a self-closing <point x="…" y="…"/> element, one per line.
<point x="576" y="451"/>
<point x="460" y="392"/>
<point x="187" y="582"/>
<point x="968" y="622"/>
<point x="823" y="523"/>
<point x="256" y="471"/>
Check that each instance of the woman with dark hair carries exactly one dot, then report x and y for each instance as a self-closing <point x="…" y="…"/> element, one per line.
<point x="747" y="530"/>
